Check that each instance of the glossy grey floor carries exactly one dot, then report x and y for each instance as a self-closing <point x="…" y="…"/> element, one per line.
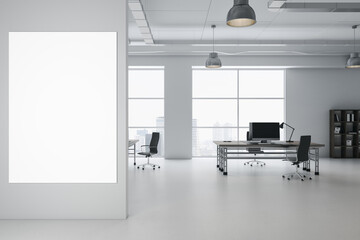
<point x="190" y="199"/>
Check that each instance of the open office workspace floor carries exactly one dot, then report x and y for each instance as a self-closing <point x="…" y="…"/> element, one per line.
<point x="192" y="200"/>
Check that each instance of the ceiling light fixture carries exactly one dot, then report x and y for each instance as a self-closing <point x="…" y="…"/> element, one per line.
<point x="354" y="60"/>
<point x="241" y="14"/>
<point x="213" y="61"/>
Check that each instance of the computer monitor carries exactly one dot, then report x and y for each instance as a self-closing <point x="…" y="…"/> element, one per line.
<point x="264" y="131"/>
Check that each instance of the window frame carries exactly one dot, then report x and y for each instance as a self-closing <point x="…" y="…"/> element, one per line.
<point x="149" y="68"/>
<point x="238" y="99"/>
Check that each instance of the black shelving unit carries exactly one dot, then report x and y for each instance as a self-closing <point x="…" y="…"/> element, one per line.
<point x="345" y="143"/>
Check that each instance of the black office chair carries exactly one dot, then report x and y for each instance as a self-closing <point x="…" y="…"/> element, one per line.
<point x="253" y="151"/>
<point x="152" y="151"/>
<point x="302" y="156"/>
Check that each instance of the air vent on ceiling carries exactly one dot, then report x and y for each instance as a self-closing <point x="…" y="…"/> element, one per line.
<point x="301" y="6"/>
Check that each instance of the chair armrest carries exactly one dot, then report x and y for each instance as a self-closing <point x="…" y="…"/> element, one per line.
<point x="144" y="145"/>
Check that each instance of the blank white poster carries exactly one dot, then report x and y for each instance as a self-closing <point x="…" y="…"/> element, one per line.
<point x="62" y="107"/>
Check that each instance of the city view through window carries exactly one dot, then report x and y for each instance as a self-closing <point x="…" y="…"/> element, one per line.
<point x="146" y="105"/>
<point x="226" y="100"/>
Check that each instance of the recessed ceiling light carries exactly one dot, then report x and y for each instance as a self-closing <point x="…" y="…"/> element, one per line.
<point x="138" y="15"/>
<point x="276" y="3"/>
<point x="135" y="6"/>
<point x="144" y="30"/>
<point x="141" y="23"/>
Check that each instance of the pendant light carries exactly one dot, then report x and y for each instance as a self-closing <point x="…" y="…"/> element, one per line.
<point x="213" y="61"/>
<point x="241" y="14"/>
<point x="354" y="60"/>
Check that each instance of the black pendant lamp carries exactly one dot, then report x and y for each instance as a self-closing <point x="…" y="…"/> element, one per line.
<point x="241" y="14"/>
<point x="213" y="61"/>
<point x="354" y="60"/>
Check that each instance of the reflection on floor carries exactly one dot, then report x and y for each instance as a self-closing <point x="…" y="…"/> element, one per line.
<point x="190" y="199"/>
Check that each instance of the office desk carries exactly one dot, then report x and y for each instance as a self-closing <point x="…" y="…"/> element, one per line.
<point x="275" y="150"/>
<point x="132" y="143"/>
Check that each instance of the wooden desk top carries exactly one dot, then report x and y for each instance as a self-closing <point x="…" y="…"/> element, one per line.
<point x="274" y="144"/>
<point x="132" y="142"/>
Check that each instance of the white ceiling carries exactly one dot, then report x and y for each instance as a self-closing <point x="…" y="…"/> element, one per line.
<point x="178" y="25"/>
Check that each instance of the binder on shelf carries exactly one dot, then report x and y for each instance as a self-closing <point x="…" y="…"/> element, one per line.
<point x="352" y="117"/>
<point x="337" y="130"/>
<point x="336" y="117"/>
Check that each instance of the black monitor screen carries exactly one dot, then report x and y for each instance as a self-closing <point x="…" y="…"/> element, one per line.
<point x="264" y="131"/>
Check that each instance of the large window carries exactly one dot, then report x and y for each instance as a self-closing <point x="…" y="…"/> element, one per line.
<point x="146" y="105"/>
<point x="225" y="101"/>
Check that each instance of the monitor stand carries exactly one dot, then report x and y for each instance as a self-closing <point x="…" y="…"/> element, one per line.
<point x="265" y="141"/>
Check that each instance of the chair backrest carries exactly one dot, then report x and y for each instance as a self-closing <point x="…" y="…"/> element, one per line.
<point x="303" y="150"/>
<point x="154" y="142"/>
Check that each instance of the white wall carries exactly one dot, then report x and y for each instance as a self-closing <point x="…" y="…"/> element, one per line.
<point x="311" y="93"/>
<point x="64" y="201"/>
<point x="315" y="85"/>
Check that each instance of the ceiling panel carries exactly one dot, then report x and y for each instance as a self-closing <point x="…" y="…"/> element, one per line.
<point x="177" y="34"/>
<point x="224" y="32"/>
<point x="175" y="18"/>
<point x="188" y="21"/>
<point x="176" y="5"/>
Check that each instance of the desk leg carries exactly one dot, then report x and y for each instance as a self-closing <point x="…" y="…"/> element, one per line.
<point x="135" y="154"/>
<point x="225" y="162"/>
<point x="221" y="158"/>
<point x="308" y="168"/>
<point x="306" y="165"/>
<point x="217" y="157"/>
<point x="317" y="171"/>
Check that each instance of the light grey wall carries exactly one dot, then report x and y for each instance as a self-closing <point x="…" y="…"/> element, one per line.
<point x="178" y="103"/>
<point x="311" y="93"/>
<point x="315" y="84"/>
<point x="178" y="109"/>
<point x="64" y="201"/>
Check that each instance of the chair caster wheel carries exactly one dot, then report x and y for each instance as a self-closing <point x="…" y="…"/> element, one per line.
<point x="283" y="176"/>
<point x="251" y="165"/>
<point x="134" y="164"/>
<point x="288" y="178"/>
<point x="244" y="164"/>
<point x="153" y="168"/>
<point x="302" y="179"/>
<point x="257" y="163"/>
<point x="158" y="166"/>
<point x="264" y="164"/>
<point x="143" y="168"/>
<point x="138" y="167"/>
<point x="310" y="178"/>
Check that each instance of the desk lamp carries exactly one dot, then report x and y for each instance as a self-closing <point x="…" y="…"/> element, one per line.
<point x="293" y="129"/>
